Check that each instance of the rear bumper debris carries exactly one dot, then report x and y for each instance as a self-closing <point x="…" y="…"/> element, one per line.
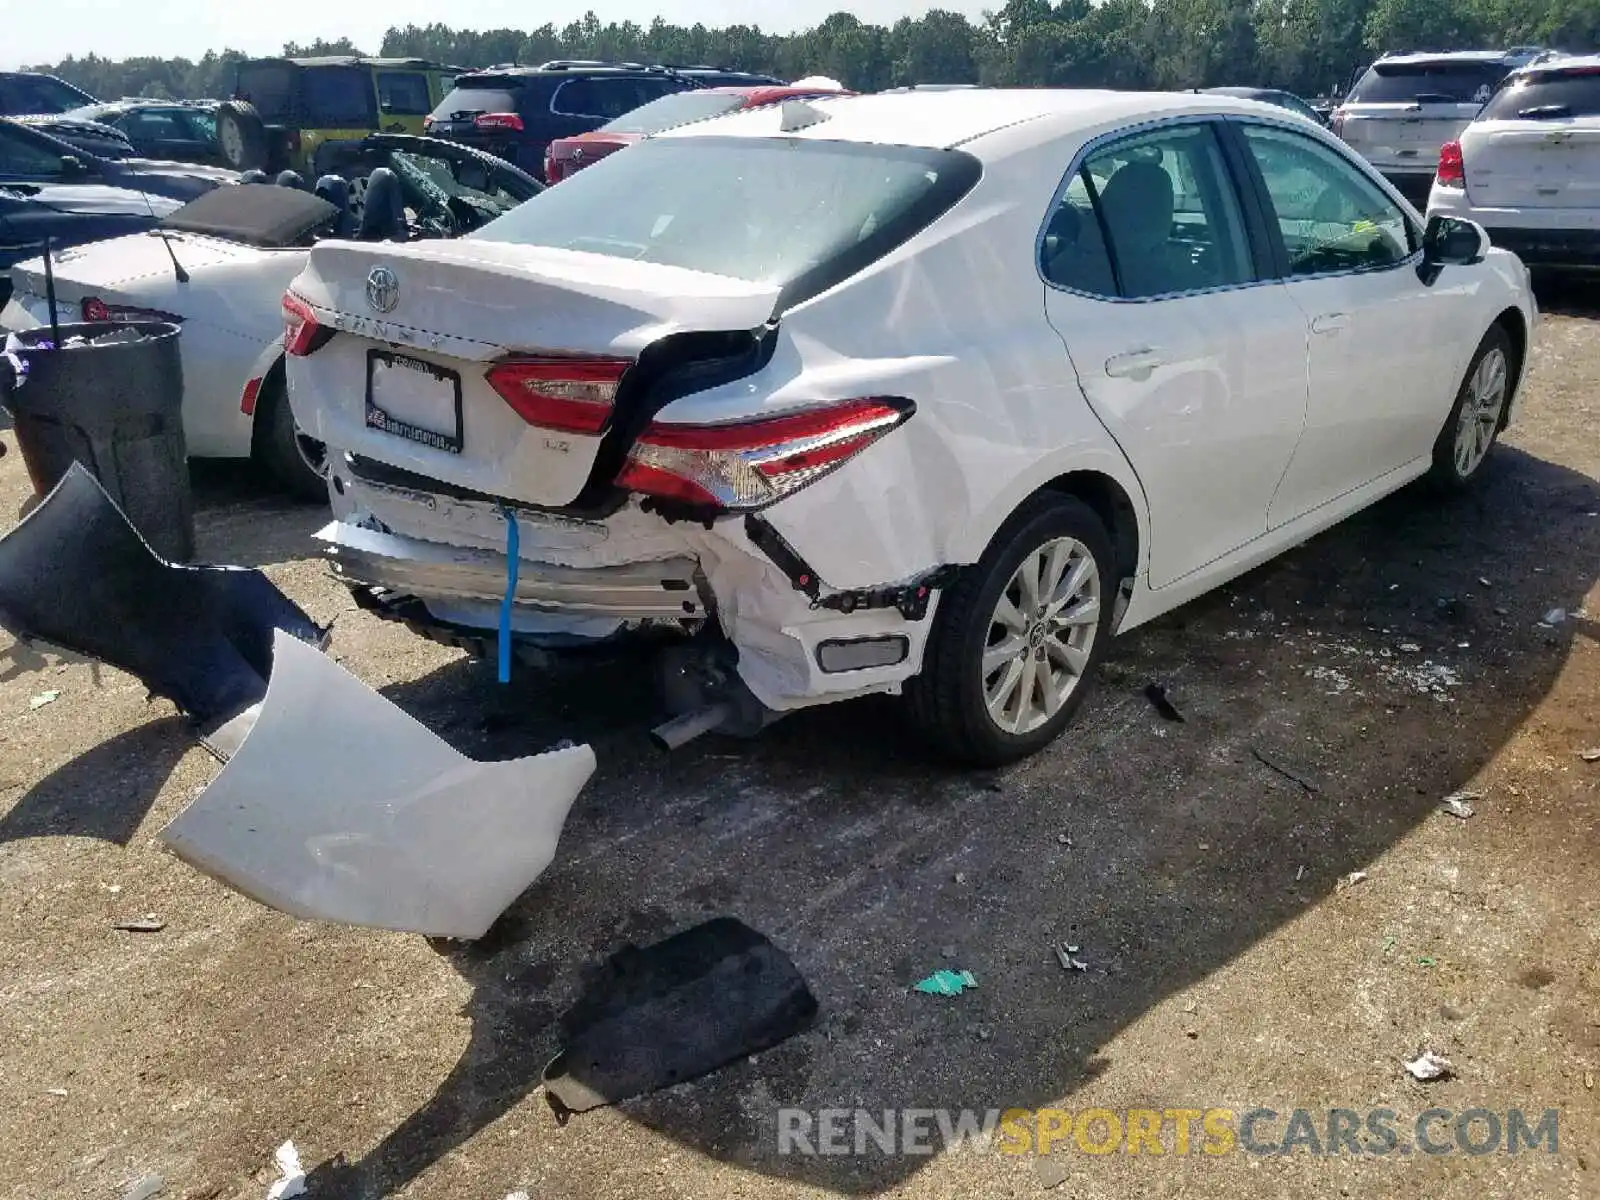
<point x="338" y="806"/>
<point x="666" y="590"/>
<point x="75" y="573"/>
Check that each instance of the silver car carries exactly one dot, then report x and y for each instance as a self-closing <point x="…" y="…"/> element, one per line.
<point x="1408" y="105"/>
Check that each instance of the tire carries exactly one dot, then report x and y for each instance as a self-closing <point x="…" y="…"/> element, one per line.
<point x="277" y="444"/>
<point x="1473" y="426"/>
<point x="242" y="136"/>
<point x="949" y="699"/>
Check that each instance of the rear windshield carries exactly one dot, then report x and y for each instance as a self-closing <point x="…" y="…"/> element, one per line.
<point x="677" y="109"/>
<point x="798" y="214"/>
<point x="469" y="100"/>
<point x="1428" y="83"/>
<point x="1547" y="94"/>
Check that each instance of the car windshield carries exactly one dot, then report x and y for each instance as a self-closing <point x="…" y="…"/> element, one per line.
<point x="677" y="109"/>
<point x="26" y="95"/>
<point x="765" y="211"/>
<point x="1441" y="82"/>
<point x="1547" y="94"/>
<point x="433" y="179"/>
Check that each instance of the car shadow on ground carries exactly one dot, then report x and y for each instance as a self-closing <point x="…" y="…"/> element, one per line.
<point x="1314" y="736"/>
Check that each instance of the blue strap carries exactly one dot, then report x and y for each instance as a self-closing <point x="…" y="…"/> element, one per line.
<point x="513" y="558"/>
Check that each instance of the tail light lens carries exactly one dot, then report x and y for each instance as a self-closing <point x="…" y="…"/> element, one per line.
<point x="498" y="121"/>
<point x="570" y="395"/>
<point x="1336" y="122"/>
<point x="1452" y="170"/>
<point x="300" y="328"/>
<point x="552" y="173"/>
<point x="755" y="463"/>
<point x="96" y="309"/>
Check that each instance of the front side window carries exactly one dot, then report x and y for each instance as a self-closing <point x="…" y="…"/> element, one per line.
<point x="1151" y="215"/>
<point x="1332" y="217"/>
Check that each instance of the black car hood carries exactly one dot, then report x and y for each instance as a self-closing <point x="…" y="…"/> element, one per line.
<point x="180" y="181"/>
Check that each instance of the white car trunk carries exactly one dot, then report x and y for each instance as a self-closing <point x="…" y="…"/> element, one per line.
<point x="1534" y="164"/>
<point x="87" y="270"/>
<point x="404" y="382"/>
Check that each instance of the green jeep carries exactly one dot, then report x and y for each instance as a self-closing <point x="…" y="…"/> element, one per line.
<point x="284" y="111"/>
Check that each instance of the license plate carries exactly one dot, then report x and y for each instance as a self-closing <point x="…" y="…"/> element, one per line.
<point x="413" y="399"/>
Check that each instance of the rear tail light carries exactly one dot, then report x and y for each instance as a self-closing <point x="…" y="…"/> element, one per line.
<point x="1336" y="122"/>
<point x="752" y="464"/>
<point x="552" y="173"/>
<point x="1452" y="170"/>
<point x="300" y="328"/>
<point x="570" y="395"/>
<point x="498" y="121"/>
<point x="96" y="309"/>
<point x="427" y="124"/>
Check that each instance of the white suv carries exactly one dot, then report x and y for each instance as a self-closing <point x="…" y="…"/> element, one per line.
<point x="1408" y="105"/>
<point x="1528" y="169"/>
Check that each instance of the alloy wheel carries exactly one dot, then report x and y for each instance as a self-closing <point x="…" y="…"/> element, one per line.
<point x="1040" y="635"/>
<point x="1480" y="412"/>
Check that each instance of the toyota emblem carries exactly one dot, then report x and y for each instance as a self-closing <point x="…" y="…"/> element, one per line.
<point x="383" y="289"/>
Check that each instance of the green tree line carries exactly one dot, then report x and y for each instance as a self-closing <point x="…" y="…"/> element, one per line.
<point x="1306" y="46"/>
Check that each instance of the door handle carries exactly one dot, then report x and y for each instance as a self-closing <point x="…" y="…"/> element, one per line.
<point x="1329" y="322"/>
<point x="1135" y="364"/>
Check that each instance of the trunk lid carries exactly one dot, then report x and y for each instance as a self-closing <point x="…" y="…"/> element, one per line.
<point x="1534" y="163"/>
<point x="1404" y="136"/>
<point x="87" y="269"/>
<point x="454" y="309"/>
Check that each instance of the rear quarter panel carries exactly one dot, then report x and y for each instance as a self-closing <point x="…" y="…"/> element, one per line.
<point x="953" y="320"/>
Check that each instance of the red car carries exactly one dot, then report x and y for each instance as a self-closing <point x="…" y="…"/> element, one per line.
<point x="570" y="154"/>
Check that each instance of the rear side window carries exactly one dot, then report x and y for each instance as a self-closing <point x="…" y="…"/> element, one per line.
<point x="1546" y="95"/>
<point x="470" y="100"/>
<point x="1427" y="83"/>
<point x="404" y="93"/>
<point x="337" y="97"/>
<point x="678" y="109"/>
<point x="607" y="98"/>
<point x="801" y="215"/>
<point x="270" y="87"/>
<point x="1153" y="215"/>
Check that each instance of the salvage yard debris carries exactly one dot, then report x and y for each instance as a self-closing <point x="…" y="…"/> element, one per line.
<point x="1157" y="695"/>
<point x="149" y="923"/>
<point x="1284" y="771"/>
<point x="292" y="1177"/>
<point x="1429" y="1066"/>
<point x="674" y="1011"/>
<point x="44" y="698"/>
<point x="1458" y="804"/>
<point x="946" y="983"/>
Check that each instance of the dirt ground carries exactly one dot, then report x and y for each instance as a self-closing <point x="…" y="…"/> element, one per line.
<point x="1385" y="664"/>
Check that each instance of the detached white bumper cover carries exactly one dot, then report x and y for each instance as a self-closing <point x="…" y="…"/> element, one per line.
<point x="340" y="807"/>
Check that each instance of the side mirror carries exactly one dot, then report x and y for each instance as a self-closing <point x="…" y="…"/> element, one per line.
<point x="1450" y="242"/>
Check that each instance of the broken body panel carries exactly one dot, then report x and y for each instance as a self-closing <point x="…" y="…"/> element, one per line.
<point x="338" y="806"/>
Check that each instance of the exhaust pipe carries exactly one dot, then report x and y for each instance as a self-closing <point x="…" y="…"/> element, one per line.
<point x="678" y="732"/>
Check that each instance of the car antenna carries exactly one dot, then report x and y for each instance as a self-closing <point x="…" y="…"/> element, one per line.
<point x="177" y="267"/>
<point x="50" y="295"/>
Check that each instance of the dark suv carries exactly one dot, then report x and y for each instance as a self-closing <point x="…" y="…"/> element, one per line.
<point x="516" y="112"/>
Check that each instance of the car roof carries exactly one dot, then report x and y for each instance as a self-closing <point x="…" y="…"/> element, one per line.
<point x="352" y="60"/>
<point x="941" y="120"/>
<point x="1554" y="66"/>
<point x="1422" y="58"/>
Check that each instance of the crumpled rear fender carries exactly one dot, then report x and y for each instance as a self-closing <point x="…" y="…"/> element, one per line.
<point x="338" y="806"/>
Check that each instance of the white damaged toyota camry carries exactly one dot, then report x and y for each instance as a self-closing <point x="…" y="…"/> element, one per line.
<point x="922" y="393"/>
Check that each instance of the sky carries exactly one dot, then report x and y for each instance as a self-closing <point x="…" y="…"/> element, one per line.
<point x="52" y="29"/>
